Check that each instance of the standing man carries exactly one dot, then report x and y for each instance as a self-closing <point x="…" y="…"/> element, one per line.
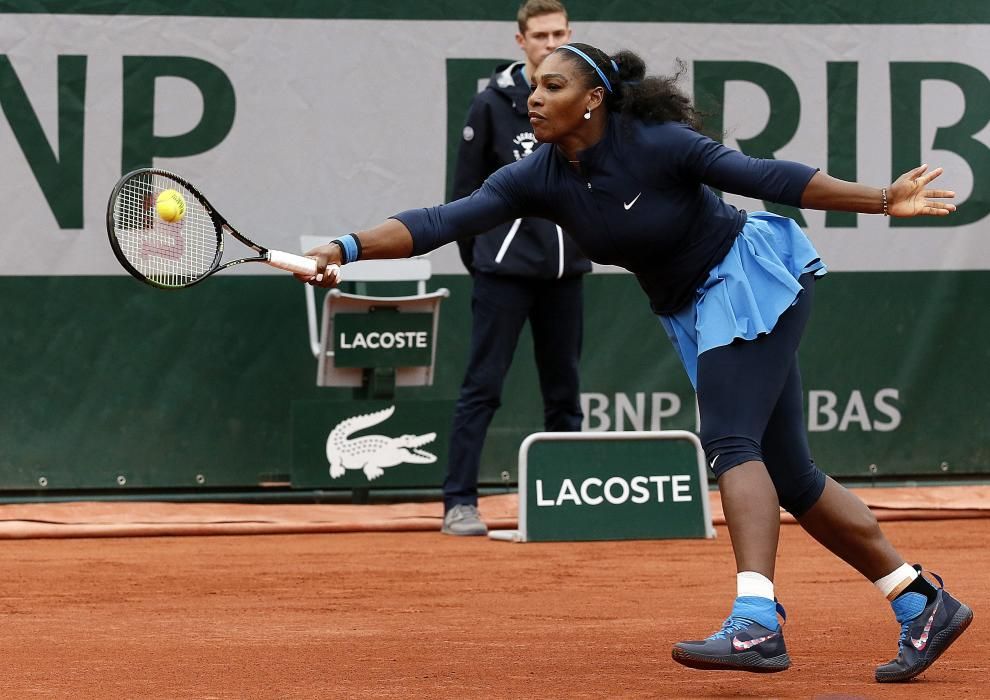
<point x="526" y="269"/>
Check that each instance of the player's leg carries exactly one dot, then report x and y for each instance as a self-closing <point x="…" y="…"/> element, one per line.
<point x="843" y="524"/>
<point x="830" y="513"/>
<point x="847" y="527"/>
<point x="798" y="481"/>
<point x="499" y="306"/>
<point x="930" y="618"/>
<point x="739" y="386"/>
<point x="557" y="321"/>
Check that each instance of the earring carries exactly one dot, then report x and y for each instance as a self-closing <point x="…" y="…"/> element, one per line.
<point x="587" y="115"/>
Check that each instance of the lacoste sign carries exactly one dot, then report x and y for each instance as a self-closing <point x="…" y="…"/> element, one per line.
<point x="639" y="490"/>
<point x="612" y="486"/>
<point x="376" y="340"/>
<point x="383" y="338"/>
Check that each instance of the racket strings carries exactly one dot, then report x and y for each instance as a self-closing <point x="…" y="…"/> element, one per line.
<point x="168" y="253"/>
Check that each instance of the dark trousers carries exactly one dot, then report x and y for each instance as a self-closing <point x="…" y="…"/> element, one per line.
<point x="499" y="308"/>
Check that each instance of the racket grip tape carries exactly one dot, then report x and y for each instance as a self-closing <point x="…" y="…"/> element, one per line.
<point x="297" y="264"/>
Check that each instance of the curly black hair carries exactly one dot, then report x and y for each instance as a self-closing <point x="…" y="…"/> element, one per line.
<point x="654" y="98"/>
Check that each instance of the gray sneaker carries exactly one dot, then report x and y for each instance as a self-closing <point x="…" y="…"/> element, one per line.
<point x="463" y="520"/>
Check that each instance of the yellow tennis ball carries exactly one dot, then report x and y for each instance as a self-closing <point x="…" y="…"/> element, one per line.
<point x="171" y="206"/>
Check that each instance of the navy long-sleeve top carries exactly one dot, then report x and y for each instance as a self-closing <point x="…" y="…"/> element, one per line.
<point x="641" y="201"/>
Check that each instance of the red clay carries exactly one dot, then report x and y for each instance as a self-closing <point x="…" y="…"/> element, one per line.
<point x="421" y="615"/>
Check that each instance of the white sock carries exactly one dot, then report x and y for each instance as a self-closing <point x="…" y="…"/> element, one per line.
<point x="898" y="578"/>
<point x="751" y="583"/>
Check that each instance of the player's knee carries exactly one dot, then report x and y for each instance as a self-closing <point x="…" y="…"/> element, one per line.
<point x="726" y="452"/>
<point x="862" y="524"/>
<point x="803" y="492"/>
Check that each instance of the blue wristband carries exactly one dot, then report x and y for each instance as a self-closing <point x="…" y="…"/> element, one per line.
<point x="350" y="246"/>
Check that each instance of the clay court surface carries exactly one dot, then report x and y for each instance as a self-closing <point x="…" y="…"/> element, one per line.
<point x="421" y="615"/>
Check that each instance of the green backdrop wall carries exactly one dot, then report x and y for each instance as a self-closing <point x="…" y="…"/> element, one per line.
<point x="296" y="120"/>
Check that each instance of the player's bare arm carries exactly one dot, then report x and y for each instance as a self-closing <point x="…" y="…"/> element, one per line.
<point x="390" y="239"/>
<point x="908" y="196"/>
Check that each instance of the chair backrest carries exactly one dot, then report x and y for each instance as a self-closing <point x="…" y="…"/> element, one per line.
<point x="337" y="304"/>
<point x="321" y="333"/>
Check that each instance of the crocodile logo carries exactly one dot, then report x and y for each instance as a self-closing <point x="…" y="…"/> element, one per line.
<point x="373" y="453"/>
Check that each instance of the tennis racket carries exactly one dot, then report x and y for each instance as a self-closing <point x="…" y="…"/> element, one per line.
<point x="185" y="251"/>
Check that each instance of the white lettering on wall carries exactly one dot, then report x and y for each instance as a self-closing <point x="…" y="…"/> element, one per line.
<point x="827" y="411"/>
<point x="632" y="413"/>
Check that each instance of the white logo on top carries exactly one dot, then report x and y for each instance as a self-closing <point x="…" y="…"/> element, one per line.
<point x="527" y="142"/>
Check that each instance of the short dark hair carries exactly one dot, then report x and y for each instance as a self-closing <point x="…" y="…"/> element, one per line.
<point x="535" y="8"/>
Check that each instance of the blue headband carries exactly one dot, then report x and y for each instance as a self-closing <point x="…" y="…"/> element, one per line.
<point x="591" y="62"/>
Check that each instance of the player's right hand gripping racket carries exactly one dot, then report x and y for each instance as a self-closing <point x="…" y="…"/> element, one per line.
<point x="186" y="250"/>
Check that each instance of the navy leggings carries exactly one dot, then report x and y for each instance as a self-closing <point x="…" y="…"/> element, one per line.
<point x="751" y="407"/>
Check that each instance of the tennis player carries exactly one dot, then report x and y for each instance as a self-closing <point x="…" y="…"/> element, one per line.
<point x="624" y="170"/>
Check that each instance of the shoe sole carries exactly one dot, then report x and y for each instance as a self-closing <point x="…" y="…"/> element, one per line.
<point x="473" y="533"/>
<point x="940" y="642"/>
<point x="750" y="661"/>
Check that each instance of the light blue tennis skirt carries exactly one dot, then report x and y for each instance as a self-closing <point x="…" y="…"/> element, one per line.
<point x="747" y="291"/>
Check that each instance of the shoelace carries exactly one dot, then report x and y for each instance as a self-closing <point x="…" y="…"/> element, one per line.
<point x="731" y="626"/>
<point x="904" y="634"/>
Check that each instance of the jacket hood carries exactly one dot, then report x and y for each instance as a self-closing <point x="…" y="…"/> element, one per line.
<point x="507" y="82"/>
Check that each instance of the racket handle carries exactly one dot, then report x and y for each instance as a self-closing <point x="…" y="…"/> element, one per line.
<point x="297" y="264"/>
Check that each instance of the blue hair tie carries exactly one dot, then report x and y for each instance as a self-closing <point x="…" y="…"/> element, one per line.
<point x="586" y="57"/>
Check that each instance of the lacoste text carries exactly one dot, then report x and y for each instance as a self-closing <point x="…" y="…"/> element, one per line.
<point x="617" y="490"/>
<point x="385" y="341"/>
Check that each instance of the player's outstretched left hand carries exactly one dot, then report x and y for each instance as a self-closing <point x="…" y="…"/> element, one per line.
<point x="909" y="196"/>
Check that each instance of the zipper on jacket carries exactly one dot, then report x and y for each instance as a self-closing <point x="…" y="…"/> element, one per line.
<point x="508" y="240"/>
